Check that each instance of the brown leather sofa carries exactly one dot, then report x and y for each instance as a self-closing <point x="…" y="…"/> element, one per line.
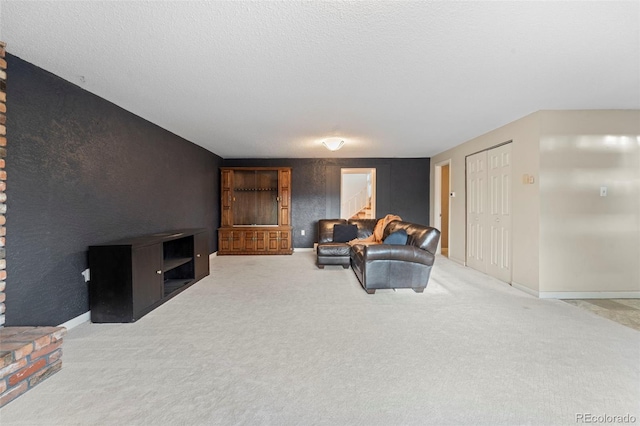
<point x="382" y="266"/>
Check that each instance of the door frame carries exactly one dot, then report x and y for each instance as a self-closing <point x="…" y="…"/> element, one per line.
<point x="437" y="206"/>
<point x="371" y="171"/>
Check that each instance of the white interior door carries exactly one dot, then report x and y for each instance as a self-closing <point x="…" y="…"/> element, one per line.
<point x="476" y="210"/>
<point x="499" y="212"/>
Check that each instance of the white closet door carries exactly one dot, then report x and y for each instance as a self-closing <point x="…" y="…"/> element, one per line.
<point x="499" y="213"/>
<point x="477" y="210"/>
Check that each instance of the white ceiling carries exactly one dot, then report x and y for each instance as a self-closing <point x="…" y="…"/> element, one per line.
<point x="396" y="79"/>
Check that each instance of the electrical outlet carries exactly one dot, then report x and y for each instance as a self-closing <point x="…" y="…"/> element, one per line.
<point x="603" y="191"/>
<point x="302" y="232"/>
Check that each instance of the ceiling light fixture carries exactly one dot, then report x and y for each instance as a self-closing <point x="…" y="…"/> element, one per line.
<point x="333" y="144"/>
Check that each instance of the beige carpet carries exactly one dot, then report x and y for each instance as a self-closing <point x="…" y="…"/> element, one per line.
<point x="273" y="340"/>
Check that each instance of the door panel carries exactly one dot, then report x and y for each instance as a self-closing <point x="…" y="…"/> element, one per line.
<point x="284" y="196"/>
<point x="236" y="240"/>
<point x="489" y="212"/>
<point x="249" y="241"/>
<point x="227" y="195"/>
<point x="273" y="240"/>
<point x="261" y="241"/>
<point x="201" y="251"/>
<point x="285" y="237"/>
<point x="499" y="218"/>
<point x="147" y="274"/>
<point x="476" y="210"/>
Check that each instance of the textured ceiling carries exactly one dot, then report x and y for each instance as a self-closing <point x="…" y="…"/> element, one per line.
<point x="396" y="79"/>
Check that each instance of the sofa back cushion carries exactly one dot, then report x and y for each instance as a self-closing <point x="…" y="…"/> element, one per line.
<point x="365" y="227"/>
<point x="424" y="237"/>
<point x="344" y="233"/>
<point x="398" y="237"/>
<point x="325" y="229"/>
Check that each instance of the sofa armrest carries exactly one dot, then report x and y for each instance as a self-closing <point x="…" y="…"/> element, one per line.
<point x="405" y="253"/>
<point x="423" y="237"/>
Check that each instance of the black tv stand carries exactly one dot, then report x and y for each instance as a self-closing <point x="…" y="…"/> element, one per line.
<point x="133" y="276"/>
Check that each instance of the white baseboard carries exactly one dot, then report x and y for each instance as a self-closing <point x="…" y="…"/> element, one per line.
<point x="526" y="289"/>
<point x="589" y="294"/>
<point x="74" y="322"/>
<point x="215" y="253"/>
<point x="577" y="294"/>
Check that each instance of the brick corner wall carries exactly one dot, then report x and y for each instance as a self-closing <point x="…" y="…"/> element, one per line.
<point x="28" y="355"/>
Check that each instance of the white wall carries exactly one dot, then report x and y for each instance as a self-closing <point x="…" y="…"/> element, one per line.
<point x="352" y="184"/>
<point x="589" y="243"/>
<point x="566" y="241"/>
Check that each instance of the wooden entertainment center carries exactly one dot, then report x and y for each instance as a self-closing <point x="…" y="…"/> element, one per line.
<point x="256" y="211"/>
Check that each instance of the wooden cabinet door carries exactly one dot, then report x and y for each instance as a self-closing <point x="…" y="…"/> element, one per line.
<point x="273" y="240"/>
<point x="227" y="198"/>
<point x="279" y="241"/>
<point x="230" y="241"/>
<point x="224" y="241"/>
<point x="285" y="239"/>
<point x="261" y="240"/>
<point x="248" y="241"/>
<point x="254" y="241"/>
<point x="147" y="277"/>
<point x="236" y="240"/>
<point x="284" y="196"/>
<point x="201" y="254"/>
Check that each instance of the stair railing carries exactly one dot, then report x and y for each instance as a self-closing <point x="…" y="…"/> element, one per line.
<point x="356" y="203"/>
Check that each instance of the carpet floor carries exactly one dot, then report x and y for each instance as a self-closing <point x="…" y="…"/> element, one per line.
<point x="272" y="340"/>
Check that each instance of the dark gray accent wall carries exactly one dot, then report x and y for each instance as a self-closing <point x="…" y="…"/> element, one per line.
<point x="402" y="189"/>
<point x="83" y="171"/>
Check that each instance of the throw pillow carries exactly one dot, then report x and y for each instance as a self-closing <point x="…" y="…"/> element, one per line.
<point x="344" y="233"/>
<point x="399" y="238"/>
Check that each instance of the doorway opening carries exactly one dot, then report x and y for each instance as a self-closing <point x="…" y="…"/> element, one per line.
<point x="357" y="193"/>
<point x="441" y="209"/>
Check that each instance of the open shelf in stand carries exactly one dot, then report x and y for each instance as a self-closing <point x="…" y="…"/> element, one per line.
<point x="170" y="264"/>
<point x="173" y="285"/>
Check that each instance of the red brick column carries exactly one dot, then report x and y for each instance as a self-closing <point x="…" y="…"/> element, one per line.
<point x="3" y="177"/>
